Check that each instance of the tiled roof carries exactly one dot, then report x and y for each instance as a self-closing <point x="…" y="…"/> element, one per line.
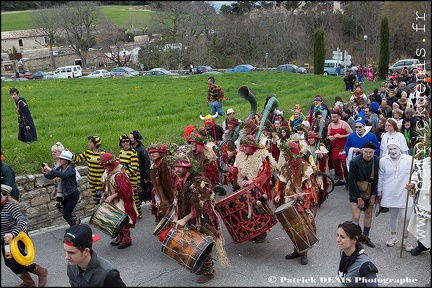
<point x="20" y="34"/>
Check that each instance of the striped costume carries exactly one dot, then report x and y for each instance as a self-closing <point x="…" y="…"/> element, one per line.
<point x="95" y="170"/>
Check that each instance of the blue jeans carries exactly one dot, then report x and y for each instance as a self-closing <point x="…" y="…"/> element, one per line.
<point x="216" y="106"/>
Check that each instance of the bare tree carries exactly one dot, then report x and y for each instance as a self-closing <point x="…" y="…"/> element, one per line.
<point x="113" y="39"/>
<point x="79" y="20"/>
<point x="48" y="22"/>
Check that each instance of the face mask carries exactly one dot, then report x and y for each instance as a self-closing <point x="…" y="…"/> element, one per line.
<point x="394" y="152"/>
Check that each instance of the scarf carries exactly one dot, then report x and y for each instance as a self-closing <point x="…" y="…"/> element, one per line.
<point x="347" y="261"/>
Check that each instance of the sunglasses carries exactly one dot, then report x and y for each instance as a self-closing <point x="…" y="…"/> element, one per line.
<point x="358" y="126"/>
<point x="125" y="141"/>
<point x="4" y="193"/>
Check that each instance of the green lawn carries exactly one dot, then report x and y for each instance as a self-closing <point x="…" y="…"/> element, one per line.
<point x="69" y="110"/>
<point x="121" y="15"/>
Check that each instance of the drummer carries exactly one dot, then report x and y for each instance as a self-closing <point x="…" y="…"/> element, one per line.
<point x="161" y="179"/>
<point x="296" y="182"/>
<point x="253" y="165"/>
<point x="117" y="190"/>
<point x="195" y="207"/>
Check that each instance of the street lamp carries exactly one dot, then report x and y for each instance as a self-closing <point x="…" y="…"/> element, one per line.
<point x="365" y="40"/>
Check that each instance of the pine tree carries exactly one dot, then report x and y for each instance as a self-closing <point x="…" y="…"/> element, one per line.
<point x="319" y="51"/>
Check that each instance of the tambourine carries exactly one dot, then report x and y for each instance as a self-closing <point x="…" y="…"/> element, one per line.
<point x="22" y="257"/>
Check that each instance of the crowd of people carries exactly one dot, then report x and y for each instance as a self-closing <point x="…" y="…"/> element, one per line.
<point x="369" y="142"/>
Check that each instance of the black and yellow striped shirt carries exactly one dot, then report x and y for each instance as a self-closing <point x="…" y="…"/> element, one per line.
<point x="129" y="159"/>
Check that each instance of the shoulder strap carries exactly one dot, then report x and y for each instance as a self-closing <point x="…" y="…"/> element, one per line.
<point x="372" y="171"/>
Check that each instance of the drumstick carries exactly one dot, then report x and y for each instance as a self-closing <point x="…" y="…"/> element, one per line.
<point x="300" y="194"/>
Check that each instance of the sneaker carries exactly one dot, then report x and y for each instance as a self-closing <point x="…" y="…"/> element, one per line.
<point x="392" y="242"/>
<point x="407" y="246"/>
<point x="336" y="178"/>
<point x="369" y="243"/>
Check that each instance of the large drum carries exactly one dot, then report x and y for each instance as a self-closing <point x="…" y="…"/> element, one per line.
<point x="166" y="223"/>
<point x="241" y="216"/>
<point x="296" y="227"/>
<point x="109" y="219"/>
<point x="188" y="247"/>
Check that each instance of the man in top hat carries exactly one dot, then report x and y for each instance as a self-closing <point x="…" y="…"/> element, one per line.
<point x="364" y="168"/>
<point x="117" y="189"/>
<point x="195" y="206"/>
<point x="361" y="135"/>
<point x="85" y="268"/>
<point x="296" y="182"/>
<point x="144" y="165"/>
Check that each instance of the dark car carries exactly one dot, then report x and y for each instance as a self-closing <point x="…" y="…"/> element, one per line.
<point x="291" y="68"/>
<point x="160" y="72"/>
<point x="200" y="70"/>
<point x="123" y="72"/>
<point x="41" y="75"/>
<point x="242" y="68"/>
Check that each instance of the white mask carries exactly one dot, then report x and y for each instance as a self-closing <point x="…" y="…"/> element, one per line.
<point x="394" y="152"/>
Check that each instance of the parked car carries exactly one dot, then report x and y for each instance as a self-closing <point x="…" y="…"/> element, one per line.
<point x="411" y="64"/>
<point x="41" y="75"/>
<point x="23" y="74"/>
<point x="330" y="67"/>
<point x="242" y="68"/>
<point x="202" y="70"/>
<point x="291" y="68"/>
<point x="160" y="72"/>
<point x="100" y="73"/>
<point x="124" y="72"/>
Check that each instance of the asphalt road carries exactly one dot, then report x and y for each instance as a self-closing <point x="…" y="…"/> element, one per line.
<point x="251" y="264"/>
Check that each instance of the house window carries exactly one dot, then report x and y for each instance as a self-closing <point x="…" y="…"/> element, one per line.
<point x="20" y="43"/>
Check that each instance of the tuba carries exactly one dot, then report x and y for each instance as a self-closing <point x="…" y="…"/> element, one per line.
<point x="244" y="93"/>
<point x="271" y="105"/>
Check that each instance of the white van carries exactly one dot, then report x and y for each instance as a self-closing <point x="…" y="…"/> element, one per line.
<point x="73" y="71"/>
<point x="330" y="67"/>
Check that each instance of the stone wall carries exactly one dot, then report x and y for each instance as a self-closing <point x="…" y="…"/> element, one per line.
<point x="36" y="204"/>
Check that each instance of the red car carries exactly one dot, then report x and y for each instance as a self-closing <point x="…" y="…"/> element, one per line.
<point x="23" y="74"/>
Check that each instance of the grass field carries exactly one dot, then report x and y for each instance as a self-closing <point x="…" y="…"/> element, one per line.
<point x="69" y="110"/>
<point x="120" y="15"/>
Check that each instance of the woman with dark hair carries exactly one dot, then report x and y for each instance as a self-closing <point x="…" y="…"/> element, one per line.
<point x="410" y="134"/>
<point x="355" y="266"/>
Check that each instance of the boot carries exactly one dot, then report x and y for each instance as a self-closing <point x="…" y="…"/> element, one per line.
<point x="116" y="241"/>
<point x="126" y="240"/>
<point x="27" y="280"/>
<point x="207" y="271"/>
<point x="42" y="274"/>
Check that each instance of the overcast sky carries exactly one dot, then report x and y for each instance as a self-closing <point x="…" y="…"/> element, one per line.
<point x="218" y="4"/>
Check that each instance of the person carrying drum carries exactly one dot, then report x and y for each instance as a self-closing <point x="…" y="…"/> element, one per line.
<point x="117" y="189"/>
<point x="195" y="207"/>
<point x="161" y="179"/>
<point x="296" y="182"/>
<point x="253" y="165"/>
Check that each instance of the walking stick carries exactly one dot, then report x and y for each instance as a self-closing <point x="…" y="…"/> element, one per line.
<point x="419" y="146"/>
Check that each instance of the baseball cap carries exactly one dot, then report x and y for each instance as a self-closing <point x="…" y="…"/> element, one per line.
<point x="80" y="235"/>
